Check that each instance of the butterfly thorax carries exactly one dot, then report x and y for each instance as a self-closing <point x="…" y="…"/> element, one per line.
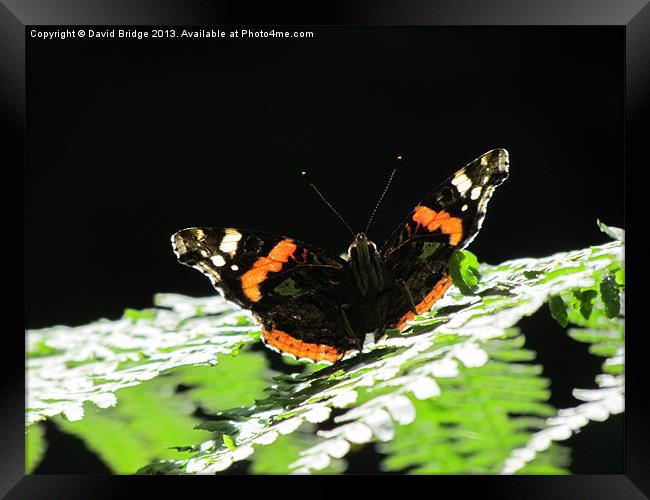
<point x="367" y="267"/>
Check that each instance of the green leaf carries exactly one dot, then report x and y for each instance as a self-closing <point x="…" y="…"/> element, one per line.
<point x="147" y="423"/>
<point x="463" y="268"/>
<point x="229" y="442"/>
<point x="469" y="428"/>
<point x="135" y="314"/>
<point x="285" y="450"/>
<point x="233" y="382"/>
<point x="89" y="363"/>
<point x="153" y="421"/>
<point x="558" y="310"/>
<point x="533" y="274"/>
<point x="620" y="277"/>
<point x="224" y="427"/>
<point x="615" y="233"/>
<point x="35" y="447"/>
<point x="585" y="300"/>
<point x="41" y="350"/>
<point x="605" y="336"/>
<point x="609" y="293"/>
<point x="554" y="460"/>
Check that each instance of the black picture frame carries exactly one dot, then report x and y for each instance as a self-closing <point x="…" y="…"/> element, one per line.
<point x="632" y="16"/>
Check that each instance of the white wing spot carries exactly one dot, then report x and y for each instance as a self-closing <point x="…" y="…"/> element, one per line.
<point x="503" y="162"/>
<point x="459" y="177"/>
<point x="463" y="187"/>
<point x="234" y="267"/>
<point x="229" y="242"/>
<point x="464" y="208"/>
<point x="462" y="182"/>
<point x="218" y="260"/>
<point x="476" y="192"/>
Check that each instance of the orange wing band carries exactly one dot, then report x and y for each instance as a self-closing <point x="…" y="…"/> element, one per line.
<point x="432" y="220"/>
<point x="272" y="263"/>
<point x="285" y="343"/>
<point x="432" y="297"/>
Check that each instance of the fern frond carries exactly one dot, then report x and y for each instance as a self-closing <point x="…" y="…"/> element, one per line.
<point x="460" y="375"/>
<point x="606" y="338"/>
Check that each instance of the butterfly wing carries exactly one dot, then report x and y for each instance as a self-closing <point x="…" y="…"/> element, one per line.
<point x="292" y="288"/>
<point x="418" y="252"/>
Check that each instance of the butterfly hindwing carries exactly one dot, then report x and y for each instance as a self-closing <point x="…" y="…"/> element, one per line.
<point x="310" y="326"/>
<point x="418" y="252"/>
<point x="291" y="287"/>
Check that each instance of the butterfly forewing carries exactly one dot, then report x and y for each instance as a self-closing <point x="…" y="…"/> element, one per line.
<point x="418" y="252"/>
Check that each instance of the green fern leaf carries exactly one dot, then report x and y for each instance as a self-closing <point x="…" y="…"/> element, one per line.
<point x="460" y="373"/>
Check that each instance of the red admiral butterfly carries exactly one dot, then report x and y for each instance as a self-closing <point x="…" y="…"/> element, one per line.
<point x="315" y="305"/>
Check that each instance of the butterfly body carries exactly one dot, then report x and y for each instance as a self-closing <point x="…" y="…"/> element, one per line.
<point x="315" y="305"/>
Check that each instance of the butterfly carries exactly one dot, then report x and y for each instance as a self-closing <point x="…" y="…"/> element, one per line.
<point x="315" y="305"/>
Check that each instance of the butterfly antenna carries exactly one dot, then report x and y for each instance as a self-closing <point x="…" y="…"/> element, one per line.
<point x="390" y="179"/>
<point x="308" y="180"/>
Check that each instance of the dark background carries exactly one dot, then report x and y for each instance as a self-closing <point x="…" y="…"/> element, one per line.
<point x="131" y="140"/>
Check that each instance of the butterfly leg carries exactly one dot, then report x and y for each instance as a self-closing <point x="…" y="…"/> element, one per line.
<point x="348" y="328"/>
<point x="408" y="294"/>
<point x="379" y="333"/>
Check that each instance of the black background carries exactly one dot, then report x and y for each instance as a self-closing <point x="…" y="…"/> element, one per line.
<point x="131" y="140"/>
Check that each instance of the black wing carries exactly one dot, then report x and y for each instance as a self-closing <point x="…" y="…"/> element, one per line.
<point x="293" y="289"/>
<point x="418" y="252"/>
